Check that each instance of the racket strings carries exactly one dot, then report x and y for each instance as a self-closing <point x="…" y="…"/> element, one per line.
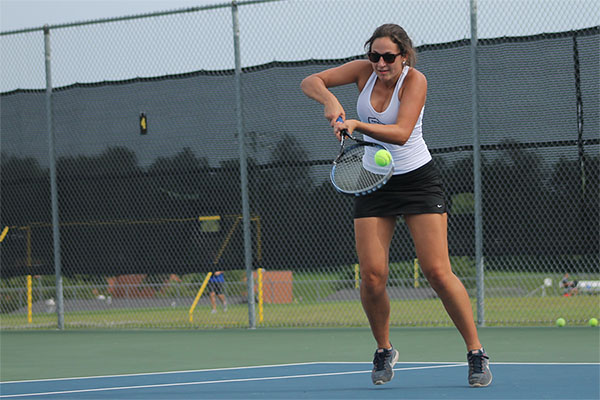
<point x="350" y="174"/>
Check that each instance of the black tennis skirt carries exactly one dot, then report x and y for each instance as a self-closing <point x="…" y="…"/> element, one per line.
<point x="416" y="192"/>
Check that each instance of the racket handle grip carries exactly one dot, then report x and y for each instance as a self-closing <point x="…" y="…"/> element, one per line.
<point x="344" y="132"/>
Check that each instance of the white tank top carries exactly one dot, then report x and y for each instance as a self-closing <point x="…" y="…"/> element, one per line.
<point x="408" y="157"/>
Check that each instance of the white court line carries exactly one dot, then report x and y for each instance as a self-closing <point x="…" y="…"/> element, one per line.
<point x="280" y="365"/>
<point x="216" y="369"/>
<point x="172" y="372"/>
<point x="444" y="364"/>
<point x="269" y="378"/>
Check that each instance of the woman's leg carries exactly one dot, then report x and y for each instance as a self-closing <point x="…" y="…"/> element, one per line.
<point x="429" y="233"/>
<point x="373" y="236"/>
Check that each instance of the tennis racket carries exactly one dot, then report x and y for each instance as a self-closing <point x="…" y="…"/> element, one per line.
<point x="355" y="171"/>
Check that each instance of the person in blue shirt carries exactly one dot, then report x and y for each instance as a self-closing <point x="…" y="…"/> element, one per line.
<point x="215" y="287"/>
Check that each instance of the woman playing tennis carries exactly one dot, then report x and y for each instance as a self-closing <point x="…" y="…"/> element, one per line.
<point x="390" y="107"/>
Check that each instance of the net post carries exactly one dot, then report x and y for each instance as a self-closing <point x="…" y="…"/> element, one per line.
<point x="259" y="274"/>
<point x="29" y="291"/>
<point x="29" y="301"/>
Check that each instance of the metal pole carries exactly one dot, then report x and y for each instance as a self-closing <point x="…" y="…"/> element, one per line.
<point x="477" y="169"/>
<point x="243" y="166"/>
<point x="580" y="147"/>
<point x="60" y="312"/>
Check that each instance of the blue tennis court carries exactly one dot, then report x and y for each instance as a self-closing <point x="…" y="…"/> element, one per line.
<point x="325" y="380"/>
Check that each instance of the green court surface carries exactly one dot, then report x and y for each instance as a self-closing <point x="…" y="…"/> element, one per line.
<point x="54" y="354"/>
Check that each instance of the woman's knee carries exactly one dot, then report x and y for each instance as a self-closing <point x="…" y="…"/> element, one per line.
<point x="374" y="279"/>
<point x="439" y="275"/>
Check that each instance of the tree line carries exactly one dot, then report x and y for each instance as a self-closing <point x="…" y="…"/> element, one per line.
<point x="117" y="217"/>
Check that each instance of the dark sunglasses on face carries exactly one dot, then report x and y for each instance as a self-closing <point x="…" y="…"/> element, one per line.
<point x="387" y="57"/>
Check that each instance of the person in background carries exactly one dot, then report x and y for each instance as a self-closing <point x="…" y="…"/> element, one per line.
<point x="569" y="286"/>
<point x="215" y="287"/>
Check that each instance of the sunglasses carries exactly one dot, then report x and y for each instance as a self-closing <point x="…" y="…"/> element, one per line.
<point x="387" y="57"/>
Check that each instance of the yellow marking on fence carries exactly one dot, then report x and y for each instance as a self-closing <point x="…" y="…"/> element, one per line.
<point x="29" y="301"/>
<point x="210" y="218"/>
<point x="200" y="291"/>
<point x="3" y="234"/>
<point x="29" y="263"/>
<point x="416" y="273"/>
<point x="29" y="290"/>
<point x="260" y="295"/>
<point x="356" y="276"/>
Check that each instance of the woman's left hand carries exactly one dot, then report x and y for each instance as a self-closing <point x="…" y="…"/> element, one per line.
<point x="349" y="125"/>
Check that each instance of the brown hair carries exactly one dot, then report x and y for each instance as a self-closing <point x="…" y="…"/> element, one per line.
<point x="399" y="36"/>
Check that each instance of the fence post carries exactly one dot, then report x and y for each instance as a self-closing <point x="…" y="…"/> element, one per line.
<point x="60" y="312"/>
<point x="243" y="166"/>
<point x="580" y="147"/>
<point x="477" y="168"/>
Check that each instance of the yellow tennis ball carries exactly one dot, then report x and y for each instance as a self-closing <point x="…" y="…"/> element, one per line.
<point x="561" y="322"/>
<point x="593" y="322"/>
<point x="383" y="158"/>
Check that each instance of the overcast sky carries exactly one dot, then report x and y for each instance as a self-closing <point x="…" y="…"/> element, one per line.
<point x="20" y="14"/>
<point x="278" y="31"/>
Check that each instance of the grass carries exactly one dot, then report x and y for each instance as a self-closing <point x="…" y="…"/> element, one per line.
<point x="512" y="299"/>
<point x="499" y="311"/>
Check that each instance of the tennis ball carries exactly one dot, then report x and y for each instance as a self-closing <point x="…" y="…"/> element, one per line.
<point x="593" y="322"/>
<point x="561" y="322"/>
<point x="383" y="158"/>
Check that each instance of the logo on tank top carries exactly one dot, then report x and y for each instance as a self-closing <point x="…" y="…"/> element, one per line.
<point x="373" y="120"/>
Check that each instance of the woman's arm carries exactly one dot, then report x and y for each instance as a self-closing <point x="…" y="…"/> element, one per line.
<point x="316" y="86"/>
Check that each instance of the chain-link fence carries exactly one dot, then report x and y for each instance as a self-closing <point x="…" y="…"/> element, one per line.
<point x="150" y="198"/>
